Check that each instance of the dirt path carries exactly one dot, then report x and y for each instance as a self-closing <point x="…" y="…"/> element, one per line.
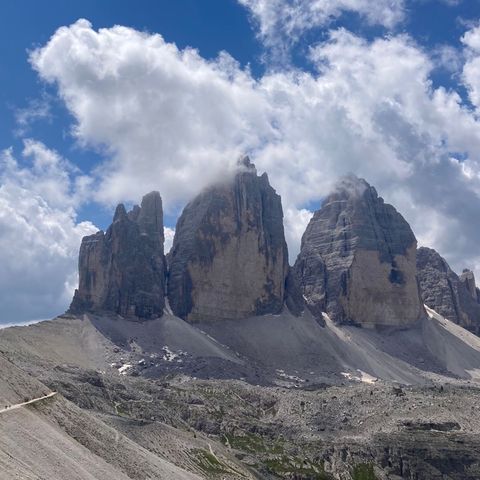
<point x="20" y="405"/>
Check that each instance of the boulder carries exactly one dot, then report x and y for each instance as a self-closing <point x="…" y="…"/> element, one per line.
<point x="123" y="270"/>
<point x="229" y="258"/>
<point x="357" y="260"/>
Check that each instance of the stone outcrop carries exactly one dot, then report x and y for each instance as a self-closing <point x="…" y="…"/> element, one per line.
<point x="357" y="260"/>
<point x="229" y="257"/>
<point x="468" y="279"/>
<point x="123" y="270"/>
<point x="442" y="289"/>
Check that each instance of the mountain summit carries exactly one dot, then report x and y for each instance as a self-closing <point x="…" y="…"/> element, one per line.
<point x="123" y="270"/>
<point x="229" y="257"/>
<point x="357" y="260"/>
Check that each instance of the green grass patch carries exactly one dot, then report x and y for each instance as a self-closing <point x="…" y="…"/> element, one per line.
<point x="121" y="410"/>
<point x="363" y="471"/>
<point x="286" y="466"/>
<point x="210" y="464"/>
<point x="251" y="443"/>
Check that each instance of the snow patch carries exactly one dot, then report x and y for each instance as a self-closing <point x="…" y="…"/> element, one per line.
<point x="360" y="377"/>
<point x="124" y="369"/>
<point x="170" y="356"/>
<point x="281" y="373"/>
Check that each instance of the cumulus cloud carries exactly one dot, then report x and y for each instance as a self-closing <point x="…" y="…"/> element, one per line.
<point x="282" y="22"/>
<point x="168" y="119"/>
<point x="164" y="115"/>
<point x="39" y="234"/>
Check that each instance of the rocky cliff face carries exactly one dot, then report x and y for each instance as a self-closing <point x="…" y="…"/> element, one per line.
<point x="123" y="270"/>
<point x="468" y="279"/>
<point x="357" y="260"/>
<point x="229" y="257"/>
<point x="448" y="294"/>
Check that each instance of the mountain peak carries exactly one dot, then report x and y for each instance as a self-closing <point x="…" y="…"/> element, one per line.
<point x="123" y="270"/>
<point x="468" y="279"/>
<point x="244" y="164"/>
<point x="229" y="255"/>
<point x="120" y="213"/>
<point x="357" y="260"/>
<point x="444" y="291"/>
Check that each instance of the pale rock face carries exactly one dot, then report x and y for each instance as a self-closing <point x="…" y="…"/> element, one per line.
<point x="447" y="293"/>
<point x="376" y="300"/>
<point x="123" y="270"/>
<point x="229" y="256"/>
<point x="357" y="260"/>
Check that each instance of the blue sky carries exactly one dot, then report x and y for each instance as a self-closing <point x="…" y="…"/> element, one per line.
<point x="92" y="115"/>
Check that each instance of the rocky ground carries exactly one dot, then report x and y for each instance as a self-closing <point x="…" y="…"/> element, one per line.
<point x="232" y="429"/>
<point x="144" y="394"/>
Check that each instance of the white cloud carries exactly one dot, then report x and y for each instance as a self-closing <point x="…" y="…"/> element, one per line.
<point x="169" y="234"/>
<point x="448" y="58"/>
<point x="282" y="22"/>
<point x="136" y="96"/>
<point x="471" y="69"/>
<point x="37" y="109"/>
<point x="39" y="235"/>
<point x="171" y="120"/>
<point x="295" y="222"/>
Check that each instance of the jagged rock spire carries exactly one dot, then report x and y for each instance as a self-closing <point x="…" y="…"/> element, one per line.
<point x="123" y="270"/>
<point x="468" y="279"/>
<point x="448" y="294"/>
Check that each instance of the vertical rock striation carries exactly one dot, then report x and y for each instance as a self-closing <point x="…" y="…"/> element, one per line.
<point x="357" y="260"/>
<point x="442" y="289"/>
<point x="123" y="270"/>
<point x="229" y="257"/>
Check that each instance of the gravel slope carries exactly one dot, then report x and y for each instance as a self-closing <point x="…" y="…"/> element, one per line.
<point x="53" y="438"/>
<point x="256" y="348"/>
